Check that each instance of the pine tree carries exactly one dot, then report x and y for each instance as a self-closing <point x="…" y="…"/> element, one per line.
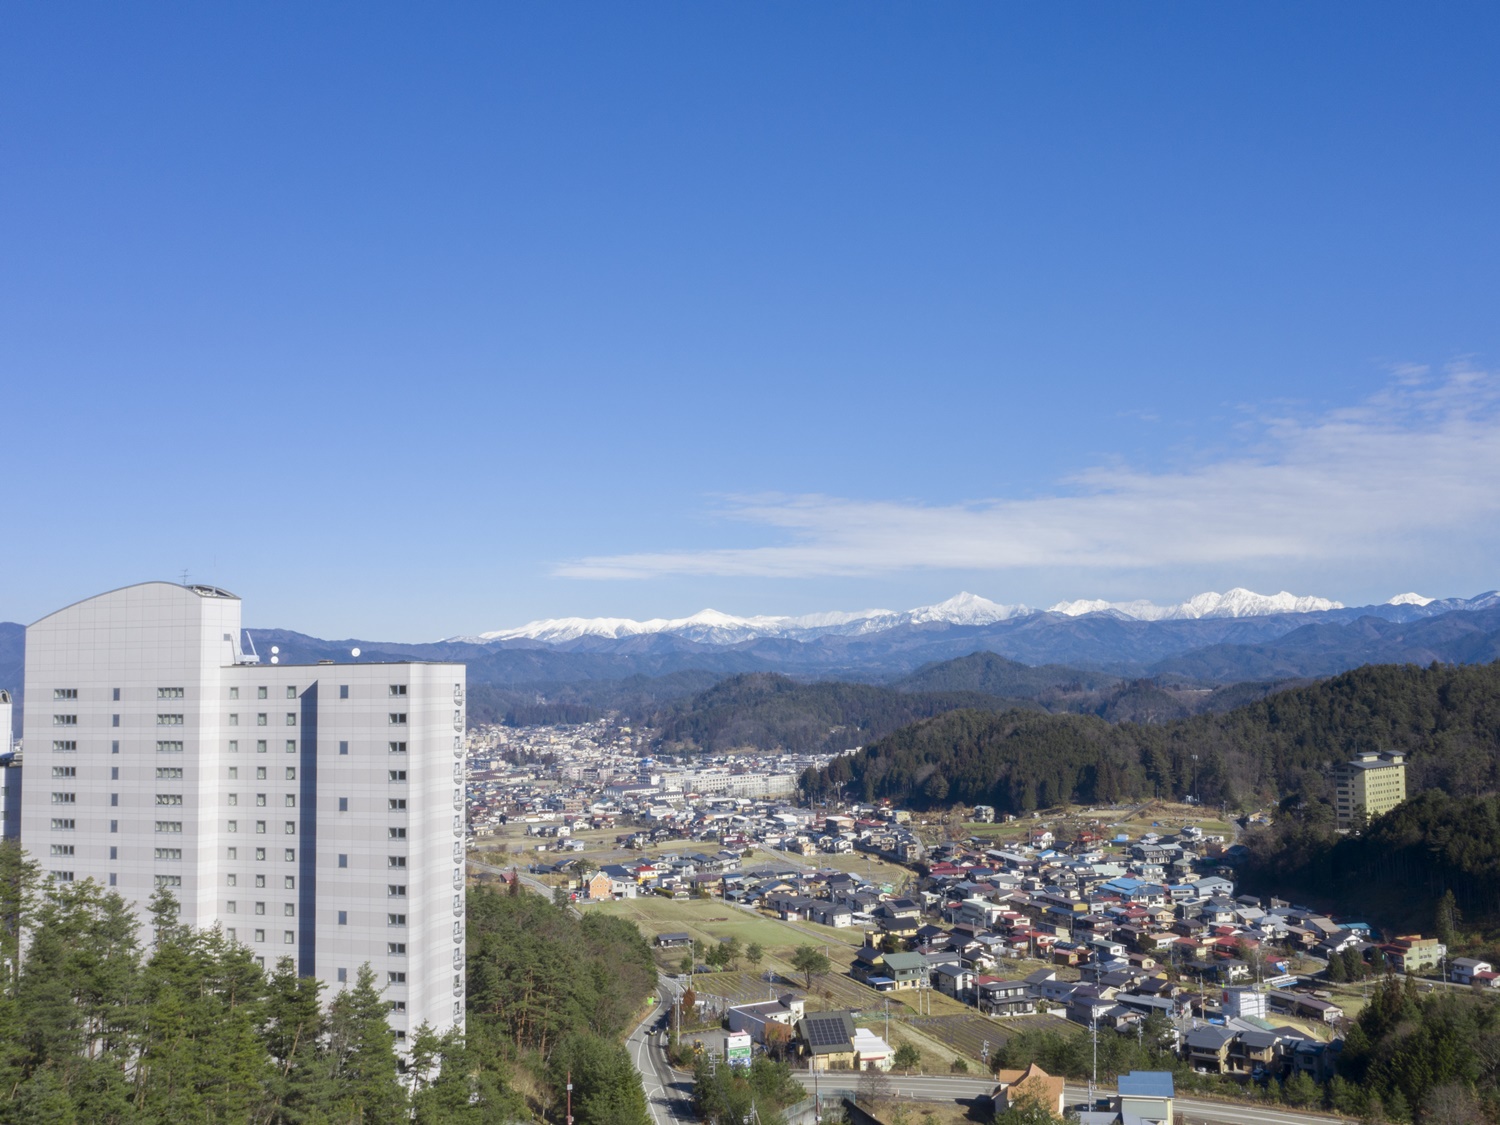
<point x="1447" y="919"/>
<point x="362" y="1055"/>
<point x="300" y="1086"/>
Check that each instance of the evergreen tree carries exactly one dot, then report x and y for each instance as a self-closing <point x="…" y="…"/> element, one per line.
<point x="606" y="1086"/>
<point x="362" y="1055"/>
<point x="299" y="1087"/>
<point x="1447" y="919"/>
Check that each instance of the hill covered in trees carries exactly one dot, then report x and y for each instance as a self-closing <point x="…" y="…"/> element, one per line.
<point x="101" y="1022"/>
<point x="1447" y="718"/>
<point x="1398" y="870"/>
<point x="768" y="711"/>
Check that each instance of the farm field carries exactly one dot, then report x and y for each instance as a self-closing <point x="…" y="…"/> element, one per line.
<point x="711" y="920"/>
<point x="1161" y="816"/>
<point x="968" y="1033"/>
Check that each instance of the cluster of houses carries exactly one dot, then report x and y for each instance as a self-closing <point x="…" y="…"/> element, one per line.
<point x="831" y="1041"/>
<point x="1111" y="922"/>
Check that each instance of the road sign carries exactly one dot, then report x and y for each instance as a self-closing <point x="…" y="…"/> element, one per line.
<point x="737" y="1048"/>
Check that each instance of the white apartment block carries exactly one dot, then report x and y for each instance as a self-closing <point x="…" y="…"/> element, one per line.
<point x="313" y="811"/>
<point x="10" y="772"/>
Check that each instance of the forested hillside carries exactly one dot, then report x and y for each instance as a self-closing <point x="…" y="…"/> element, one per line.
<point x="768" y="711"/>
<point x="1447" y="718"/>
<point x="545" y="704"/>
<point x="989" y="673"/>
<point x="102" y="1023"/>
<point x="1397" y="870"/>
<point x="765" y="711"/>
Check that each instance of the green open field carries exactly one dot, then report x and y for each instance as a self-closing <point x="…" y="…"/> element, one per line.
<point x="711" y="920"/>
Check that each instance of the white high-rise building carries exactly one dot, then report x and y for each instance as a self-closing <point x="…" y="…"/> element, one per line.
<point x="313" y="811"/>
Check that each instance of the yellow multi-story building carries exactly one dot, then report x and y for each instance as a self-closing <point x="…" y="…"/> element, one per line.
<point x="1368" y="786"/>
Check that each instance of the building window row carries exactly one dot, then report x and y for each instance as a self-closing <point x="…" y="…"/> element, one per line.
<point x="169" y="798"/>
<point x="65" y="693"/>
<point x="65" y="720"/>
<point x="168" y="773"/>
<point x="169" y="693"/>
<point x="163" y="720"/>
<point x="64" y="746"/>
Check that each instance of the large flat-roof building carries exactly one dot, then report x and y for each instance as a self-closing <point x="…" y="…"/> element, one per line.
<point x="313" y="811"/>
<point x="1368" y="786"/>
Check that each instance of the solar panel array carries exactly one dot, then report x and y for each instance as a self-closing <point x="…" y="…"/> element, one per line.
<point x="826" y="1032"/>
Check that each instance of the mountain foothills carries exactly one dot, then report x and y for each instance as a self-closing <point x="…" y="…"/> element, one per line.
<point x="1447" y="718"/>
<point x="1212" y="638"/>
<point x="766" y="711"/>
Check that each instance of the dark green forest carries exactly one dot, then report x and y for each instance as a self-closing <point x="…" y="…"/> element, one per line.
<point x="1397" y="870"/>
<point x="104" y="1022"/>
<point x="1445" y="717"/>
<point x="764" y="710"/>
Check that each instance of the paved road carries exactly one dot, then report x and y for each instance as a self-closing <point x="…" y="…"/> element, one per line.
<point x="1192" y="1111"/>
<point x="668" y="1095"/>
<point x="527" y="881"/>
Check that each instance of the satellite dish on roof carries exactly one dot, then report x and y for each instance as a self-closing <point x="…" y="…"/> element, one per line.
<point x="275" y="660"/>
<point x="354" y="652"/>
<point x="274" y="650"/>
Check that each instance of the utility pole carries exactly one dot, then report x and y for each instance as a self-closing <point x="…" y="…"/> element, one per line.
<point x="1094" y="1034"/>
<point x="570" y="1098"/>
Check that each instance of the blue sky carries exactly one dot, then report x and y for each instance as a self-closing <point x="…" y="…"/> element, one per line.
<point x="409" y="321"/>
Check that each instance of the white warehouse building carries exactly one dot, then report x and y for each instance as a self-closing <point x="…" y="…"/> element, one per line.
<point x="314" y="811"/>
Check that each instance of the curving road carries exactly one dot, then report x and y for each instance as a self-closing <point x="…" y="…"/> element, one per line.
<point x="669" y="1095"/>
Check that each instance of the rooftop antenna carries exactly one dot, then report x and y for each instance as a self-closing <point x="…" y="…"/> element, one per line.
<point x="184" y="576"/>
<point x="354" y="652"/>
<point x="275" y="658"/>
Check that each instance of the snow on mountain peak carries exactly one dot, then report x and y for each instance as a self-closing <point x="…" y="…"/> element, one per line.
<point x="965" y="609"/>
<point x="1410" y="599"/>
<point x="1238" y="602"/>
<point x="711" y="626"/>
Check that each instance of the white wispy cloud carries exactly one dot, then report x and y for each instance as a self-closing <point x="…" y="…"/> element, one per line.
<point x="1421" y="458"/>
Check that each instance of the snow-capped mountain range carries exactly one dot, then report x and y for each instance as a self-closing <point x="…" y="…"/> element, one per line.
<point x="709" y="626"/>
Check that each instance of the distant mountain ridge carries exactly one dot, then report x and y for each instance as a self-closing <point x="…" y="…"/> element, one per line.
<point x="709" y="626"/>
<point x="1224" y="645"/>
